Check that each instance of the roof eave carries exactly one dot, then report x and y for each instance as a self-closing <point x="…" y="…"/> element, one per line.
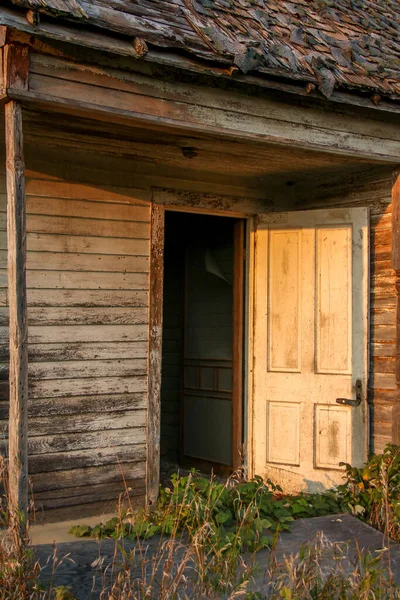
<point x="222" y="67"/>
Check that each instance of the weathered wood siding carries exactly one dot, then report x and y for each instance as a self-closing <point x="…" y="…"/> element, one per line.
<point x="382" y="392"/>
<point x="87" y="276"/>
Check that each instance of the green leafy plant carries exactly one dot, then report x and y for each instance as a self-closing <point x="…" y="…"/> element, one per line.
<point x="247" y="514"/>
<point x="372" y="493"/>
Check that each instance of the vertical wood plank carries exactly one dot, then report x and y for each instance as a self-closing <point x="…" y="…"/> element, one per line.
<point x="16" y="66"/>
<point x="155" y="351"/>
<point x="396" y="266"/>
<point x="237" y="355"/>
<point x="2" y="78"/>
<point x="3" y="35"/>
<point x="16" y="238"/>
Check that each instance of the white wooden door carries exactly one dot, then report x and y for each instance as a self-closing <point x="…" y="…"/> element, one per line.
<point x="310" y="345"/>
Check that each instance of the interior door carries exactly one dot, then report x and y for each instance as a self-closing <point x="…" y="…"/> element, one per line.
<point x="208" y="350"/>
<point x="310" y="345"/>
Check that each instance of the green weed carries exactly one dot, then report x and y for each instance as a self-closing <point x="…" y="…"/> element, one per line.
<point x="246" y="514"/>
<point x="372" y="493"/>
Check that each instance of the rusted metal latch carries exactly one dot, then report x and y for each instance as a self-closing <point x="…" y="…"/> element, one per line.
<point x="357" y="401"/>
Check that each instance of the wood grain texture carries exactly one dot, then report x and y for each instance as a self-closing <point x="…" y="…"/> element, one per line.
<point x="16" y="66"/>
<point x="155" y="352"/>
<point x="396" y="267"/>
<point x="88" y="297"/>
<point x="17" y="299"/>
<point x="228" y="114"/>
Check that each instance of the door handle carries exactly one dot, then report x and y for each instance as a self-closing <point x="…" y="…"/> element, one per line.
<point x="359" y="396"/>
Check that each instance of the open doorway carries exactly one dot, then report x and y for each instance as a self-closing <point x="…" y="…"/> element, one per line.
<point x="202" y="371"/>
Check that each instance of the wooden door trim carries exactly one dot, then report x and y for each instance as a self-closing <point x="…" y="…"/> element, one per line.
<point x="249" y="346"/>
<point x="155" y="338"/>
<point x="396" y="267"/>
<point x="238" y="333"/>
<point x="155" y="351"/>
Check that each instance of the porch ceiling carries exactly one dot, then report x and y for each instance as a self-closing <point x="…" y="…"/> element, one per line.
<point x="257" y="169"/>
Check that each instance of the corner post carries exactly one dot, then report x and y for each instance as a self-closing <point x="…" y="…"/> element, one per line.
<point x="155" y="352"/>
<point x="16" y="240"/>
<point x="396" y="267"/>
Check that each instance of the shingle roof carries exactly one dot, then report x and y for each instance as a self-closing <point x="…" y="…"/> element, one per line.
<point x="332" y="43"/>
<point x="71" y="8"/>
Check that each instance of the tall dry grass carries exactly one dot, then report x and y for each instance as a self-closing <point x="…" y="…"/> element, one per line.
<point x="196" y="558"/>
<point x="20" y="571"/>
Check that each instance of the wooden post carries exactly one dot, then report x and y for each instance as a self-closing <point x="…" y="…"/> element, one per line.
<point x="155" y="352"/>
<point x="396" y="267"/>
<point x="16" y="239"/>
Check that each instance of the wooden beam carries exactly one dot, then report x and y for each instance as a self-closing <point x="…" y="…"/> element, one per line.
<point x="155" y="352"/>
<point x="233" y="126"/>
<point x="3" y="35"/>
<point x="16" y="66"/>
<point x="396" y="267"/>
<point x="16" y="239"/>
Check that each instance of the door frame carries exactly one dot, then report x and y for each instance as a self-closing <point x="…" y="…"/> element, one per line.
<point x="243" y="350"/>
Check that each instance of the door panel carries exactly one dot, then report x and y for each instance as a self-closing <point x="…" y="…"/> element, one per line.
<point x="311" y="318"/>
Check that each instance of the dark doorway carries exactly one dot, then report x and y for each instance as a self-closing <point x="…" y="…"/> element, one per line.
<point x="201" y="389"/>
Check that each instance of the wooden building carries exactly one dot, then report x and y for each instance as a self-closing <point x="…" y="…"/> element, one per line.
<point x="200" y="221"/>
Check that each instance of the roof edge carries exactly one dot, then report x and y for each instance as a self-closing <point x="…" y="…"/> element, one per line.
<point x="102" y="42"/>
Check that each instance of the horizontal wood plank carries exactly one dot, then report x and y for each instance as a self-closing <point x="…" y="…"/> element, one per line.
<point x="80" y="351"/>
<point x="86" y="280"/>
<point x="78" y="191"/>
<point x="62" y="461"/>
<point x="86" y="316"/>
<point x="80" y="404"/>
<point x="85" y="440"/>
<point x="48" y="242"/>
<point x="84" y="298"/>
<point x="86" y="227"/>
<point x="74" y="387"/>
<point x="88" y="500"/>
<point x="70" y="261"/>
<point x="87" y="404"/>
<point x="37" y="205"/>
<point x="87" y="476"/>
<point x="83" y="333"/>
<point x="77" y="369"/>
<point x="85" y="422"/>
